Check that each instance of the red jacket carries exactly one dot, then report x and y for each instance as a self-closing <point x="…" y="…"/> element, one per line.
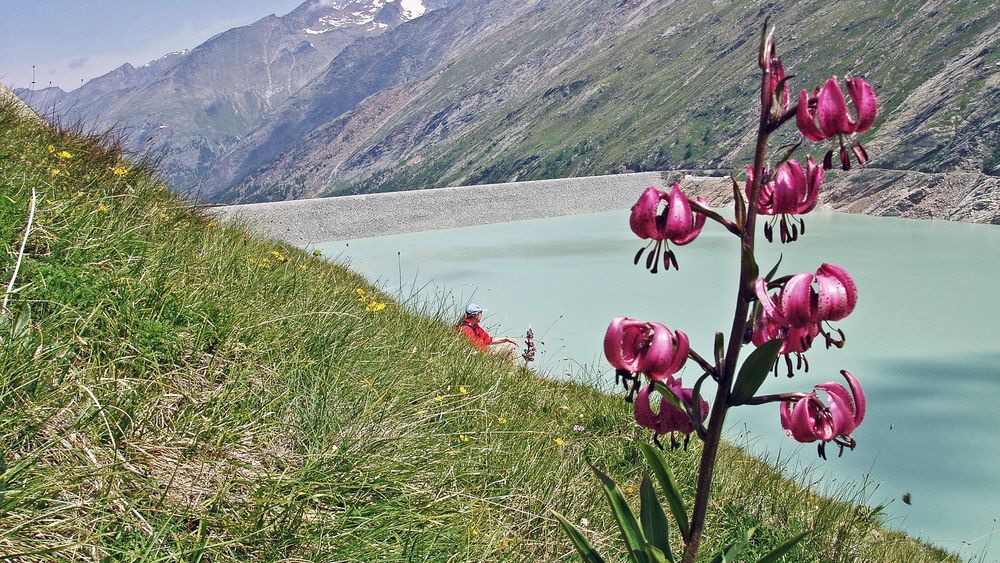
<point x="475" y="333"/>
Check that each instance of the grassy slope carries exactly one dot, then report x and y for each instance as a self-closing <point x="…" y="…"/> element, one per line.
<point x="180" y="391"/>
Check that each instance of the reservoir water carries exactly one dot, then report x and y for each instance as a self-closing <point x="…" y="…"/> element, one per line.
<point x="924" y="339"/>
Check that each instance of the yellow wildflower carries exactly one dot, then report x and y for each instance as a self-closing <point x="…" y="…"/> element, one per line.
<point x="559" y="441"/>
<point x="119" y="171"/>
<point x="502" y="420"/>
<point x="56" y="172"/>
<point x="464" y="439"/>
<point x="439" y="399"/>
<point x="212" y="224"/>
<point x="102" y="208"/>
<point x="302" y="267"/>
<point x="49" y="202"/>
<point x="279" y="256"/>
<point x="64" y="154"/>
<point x="265" y="263"/>
<point x="52" y="148"/>
<point x="251" y="260"/>
<point x="473" y="530"/>
<point x="630" y="490"/>
<point x="462" y="389"/>
<point x="375" y="306"/>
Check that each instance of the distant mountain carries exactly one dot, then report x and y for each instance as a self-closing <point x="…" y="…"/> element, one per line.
<point x="565" y="88"/>
<point x="477" y="91"/>
<point x="210" y="96"/>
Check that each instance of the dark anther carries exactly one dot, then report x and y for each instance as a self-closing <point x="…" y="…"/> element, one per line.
<point x="788" y="364"/>
<point x="674" y="444"/>
<point x="631" y="392"/>
<point x="687" y="438"/>
<point x="673" y="259"/>
<point x="638" y="255"/>
<point x="769" y="231"/>
<point x="651" y="257"/>
<point x="821" y="448"/>
<point x="845" y="158"/>
<point x="828" y="160"/>
<point x="656" y="440"/>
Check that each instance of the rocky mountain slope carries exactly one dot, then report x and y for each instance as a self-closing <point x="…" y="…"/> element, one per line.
<point x="576" y="88"/>
<point x="190" y="110"/>
<point x="480" y="91"/>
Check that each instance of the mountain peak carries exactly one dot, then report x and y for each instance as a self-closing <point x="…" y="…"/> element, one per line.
<point x="362" y="13"/>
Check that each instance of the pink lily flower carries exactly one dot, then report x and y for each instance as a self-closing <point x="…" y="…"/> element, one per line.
<point x="632" y="347"/>
<point x="800" y="303"/>
<point x="824" y="115"/>
<point x="675" y="222"/>
<point x="797" y="313"/>
<point x="810" y="419"/>
<point x="774" y="97"/>
<point x="670" y="419"/>
<point x="793" y="191"/>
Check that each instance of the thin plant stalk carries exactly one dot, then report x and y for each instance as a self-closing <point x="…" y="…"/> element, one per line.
<point x="20" y="254"/>
<point x="720" y="406"/>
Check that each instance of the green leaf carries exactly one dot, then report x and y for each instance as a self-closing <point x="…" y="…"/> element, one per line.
<point x="21" y="318"/>
<point x="656" y="555"/>
<point x="654" y="522"/>
<point x="733" y="550"/>
<point x="720" y="350"/>
<point x="784" y="548"/>
<point x="631" y="532"/>
<point x="696" y="395"/>
<point x="669" y="486"/>
<point x="583" y="547"/>
<point x="774" y="270"/>
<point x="740" y="205"/>
<point x="749" y="262"/>
<point x="754" y="371"/>
<point x="669" y="396"/>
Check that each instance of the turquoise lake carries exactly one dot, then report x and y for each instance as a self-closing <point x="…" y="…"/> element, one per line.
<point x="924" y="339"/>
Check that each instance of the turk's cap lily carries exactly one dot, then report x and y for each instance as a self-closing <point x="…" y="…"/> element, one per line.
<point x="824" y="113"/>
<point x="645" y="347"/>
<point x="669" y="418"/>
<point x="809" y="419"/>
<point x="674" y="222"/>
<point x="792" y="189"/>
<point x="828" y="295"/>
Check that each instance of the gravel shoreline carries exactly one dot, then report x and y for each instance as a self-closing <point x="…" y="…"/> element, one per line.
<point x="309" y="221"/>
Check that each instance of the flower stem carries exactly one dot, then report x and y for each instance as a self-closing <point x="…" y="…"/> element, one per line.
<point x="744" y="292"/>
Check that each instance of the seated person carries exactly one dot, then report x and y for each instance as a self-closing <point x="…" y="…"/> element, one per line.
<point x="470" y="327"/>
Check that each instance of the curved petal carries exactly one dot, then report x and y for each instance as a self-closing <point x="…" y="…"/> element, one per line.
<point x="805" y="119"/>
<point x="803" y="420"/>
<point x="814" y="179"/>
<point x="699" y="222"/>
<point x="864" y="101"/>
<point x="860" y="404"/>
<point x="643" y="218"/>
<point x="770" y="308"/>
<point x="681" y="353"/>
<point x="841" y="408"/>
<point x="659" y="354"/>
<point x="678" y="220"/>
<point x="838" y="294"/>
<point x="789" y="183"/>
<point x="831" y="109"/>
<point x="643" y="411"/>
<point x="613" y="343"/>
<point x="796" y="300"/>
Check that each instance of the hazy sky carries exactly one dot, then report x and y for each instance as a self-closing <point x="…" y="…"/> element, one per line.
<point x="69" y="40"/>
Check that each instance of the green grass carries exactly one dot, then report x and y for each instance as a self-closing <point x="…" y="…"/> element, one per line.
<point x="186" y="390"/>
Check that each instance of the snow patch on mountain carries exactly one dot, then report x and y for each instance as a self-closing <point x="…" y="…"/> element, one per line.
<point x="412" y="9"/>
<point x="361" y="13"/>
